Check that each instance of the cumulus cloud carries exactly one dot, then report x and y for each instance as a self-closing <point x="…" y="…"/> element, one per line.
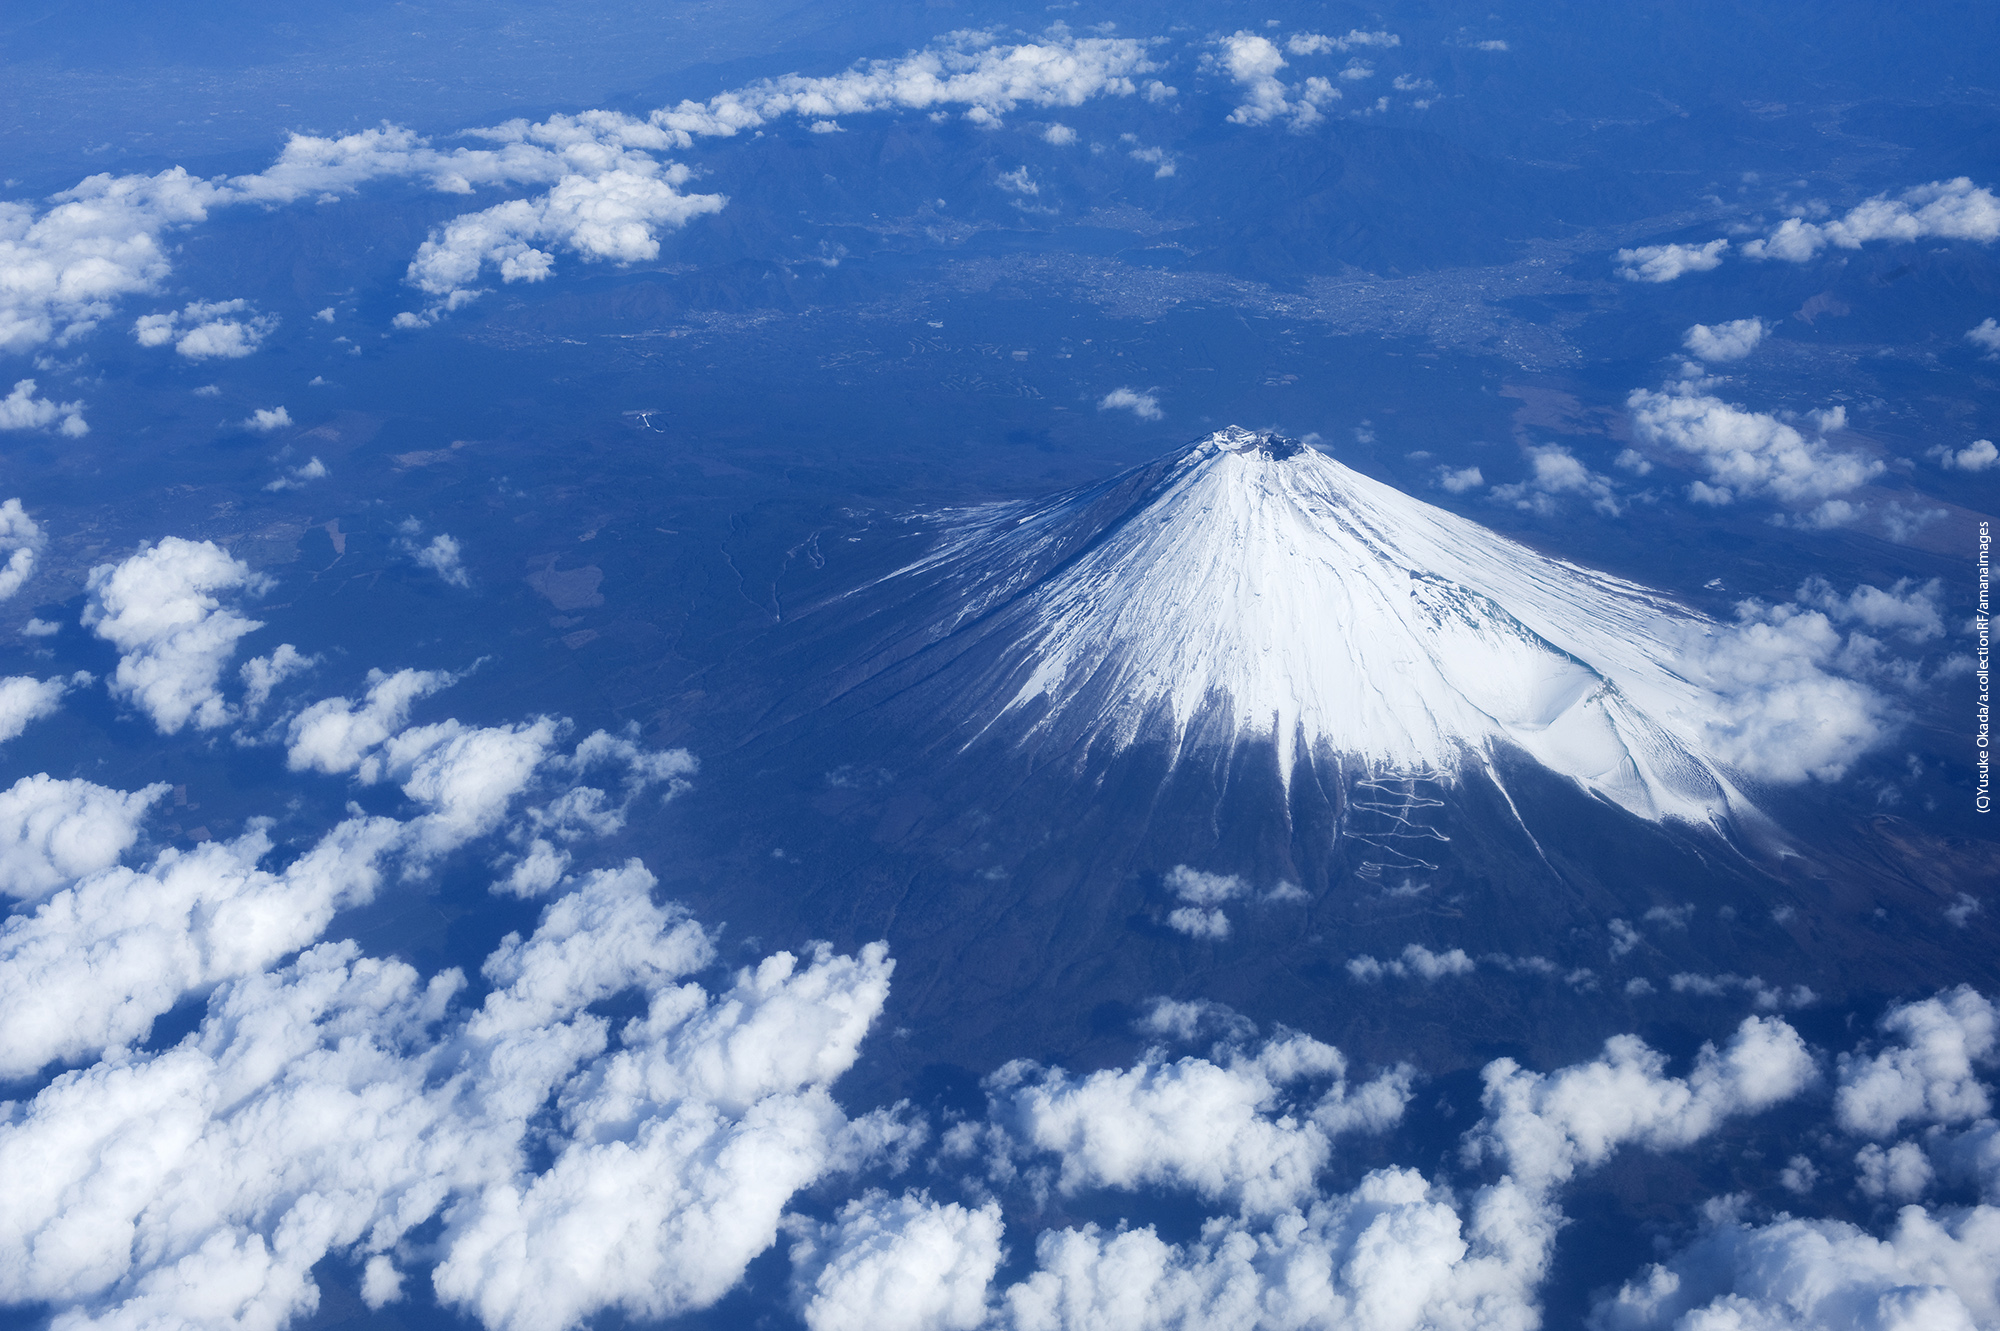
<point x="310" y="470"/>
<point x="1727" y="341"/>
<point x="607" y="195"/>
<point x="1748" y="453"/>
<point x="1253" y="62"/>
<point x="1314" y="43"/>
<point x="1664" y="263"/>
<point x="1063" y="135"/>
<point x="1986" y="337"/>
<point x="1925" y="1074"/>
<point x="1912" y="610"/>
<point x="53" y="832"/>
<point x="1975" y="456"/>
<point x="163" y="610"/>
<point x="1556" y="472"/>
<point x="1204" y="893"/>
<point x="266" y="419"/>
<point x="337" y="734"/>
<point x="1764" y="997"/>
<point x="228" y="329"/>
<point x="967" y="69"/>
<point x="613" y="214"/>
<point x="1398" y="1251"/>
<point x="1143" y="405"/>
<point x="22" y="410"/>
<point x="441" y="557"/>
<point x="1186" y="1021"/>
<point x="1546" y="1127"/>
<point x="328" y="1108"/>
<point x="21" y="541"/>
<point x="1786" y="714"/>
<point x="24" y="699"/>
<point x="1252" y="1130"/>
<point x="1942" y="209"/>
<point x="897" y="1264"/>
<point x="1460" y="479"/>
<point x="1416" y="960"/>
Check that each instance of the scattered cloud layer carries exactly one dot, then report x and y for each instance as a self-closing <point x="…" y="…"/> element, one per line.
<point x="21" y="541"/>
<point x="1252" y="61"/>
<point x="1726" y="341"/>
<point x="229" y="329"/>
<point x="1943" y="209"/>
<point x="1143" y="405"/>
<point x="23" y="410"/>
<point x="163" y="610"/>
<point x="1664" y="263"/>
<point x="1746" y="454"/>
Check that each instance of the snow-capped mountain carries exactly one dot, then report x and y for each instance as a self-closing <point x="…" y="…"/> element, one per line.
<point x="1252" y="589"/>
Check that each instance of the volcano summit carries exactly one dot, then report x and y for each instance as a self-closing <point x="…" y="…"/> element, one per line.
<point x="1250" y="589"/>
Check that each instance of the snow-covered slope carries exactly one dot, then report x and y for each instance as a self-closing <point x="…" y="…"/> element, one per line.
<point x="1253" y="588"/>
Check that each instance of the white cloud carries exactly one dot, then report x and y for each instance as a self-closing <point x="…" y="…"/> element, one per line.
<point x="441" y="557"/>
<point x="1764" y="997"/>
<point x="335" y="734"/>
<point x="1545" y="1127"/>
<point x="1397" y="1254"/>
<point x="1063" y="135"/>
<point x="1933" y="1271"/>
<point x="1459" y="480"/>
<point x="681" y="1151"/>
<point x="1204" y="889"/>
<point x="964" y="70"/>
<point x="25" y="699"/>
<point x="1913" y="611"/>
<point x="1492" y="44"/>
<point x="21" y="541"/>
<point x="464" y="776"/>
<point x="1975" y="456"/>
<point x="266" y="419"/>
<point x="1356" y="70"/>
<point x="1143" y="405"/>
<point x="227" y="329"/>
<point x="1314" y="43"/>
<point x="1392" y="1255"/>
<point x="1784" y="714"/>
<point x="1173" y="1019"/>
<point x="1943" y="209"/>
<point x="1252" y="1131"/>
<point x="1746" y="453"/>
<point x="614" y="214"/>
<point x="54" y="832"/>
<point x="1253" y="63"/>
<point x="310" y="470"/>
<point x="897" y="1264"/>
<point x="162" y="610"/>
<point x="1927" y="1074"/>
<point x="95" y="964"/>
<point x="1416" y="960"/>
<point x="325" y="316"/>
<point x="328" y="1109"/>
<point x="64" y="267"/>
<point x="1556" y="471"/>
<point x="1728" y="341"/>
<point x="1018" y="181"/>
<point x="22" y="410"/>
<point x="1986" y="337"/>
<point x="1664" y="263"/>
<point x="1202" y="917"/>
<point x="1901" y="1173"/>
